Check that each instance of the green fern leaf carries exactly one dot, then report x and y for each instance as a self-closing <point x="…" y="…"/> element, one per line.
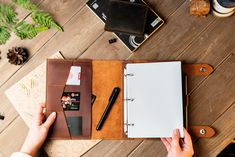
<point x="28" y="31"/>
<point x="44" y="19"/>
<point x="4" y="35"/>
<point x="26" y="4"/>
<point x="7" y="15"/>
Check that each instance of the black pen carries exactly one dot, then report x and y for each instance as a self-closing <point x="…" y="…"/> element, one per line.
<point x="112" y="99"/>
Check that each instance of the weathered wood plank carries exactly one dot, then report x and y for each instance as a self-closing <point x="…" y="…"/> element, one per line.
<point x="178" y="32"/>
<point x="21" y="13"/>
<point x="211" y="47"/>
<point x="9" y="111"/>
<point x="67" y="9"/>
<point x="149" y="148"/>
<point x="81" y="31"/>
<point x="13" y="137"/>
<point x="68" y="148"/>
<point x="225" y="128"/>
<point x="101" y="49"/>
<point x="76" y="30"/>
<point x="61" y="11"/>
<point x="164" y="7"/>
<point x="210" y="37"/>
<point x="8" y="70"/>
<point x="108" y="148"/>
<point x="214" y="95"/>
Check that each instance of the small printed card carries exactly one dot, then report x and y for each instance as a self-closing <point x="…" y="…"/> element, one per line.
<point x="74" y="76"/>
<point x="70" y="100"/>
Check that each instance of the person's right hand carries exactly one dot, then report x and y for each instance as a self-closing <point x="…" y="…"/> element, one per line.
<point x="175" y="149"/>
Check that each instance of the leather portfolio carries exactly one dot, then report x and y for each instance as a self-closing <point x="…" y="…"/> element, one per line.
<point x="80" y="103"/>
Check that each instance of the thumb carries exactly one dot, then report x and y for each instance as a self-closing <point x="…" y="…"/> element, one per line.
<point x="175" y="139"/>
<point x="50" y="120"/>
<point x="187" y="140"/>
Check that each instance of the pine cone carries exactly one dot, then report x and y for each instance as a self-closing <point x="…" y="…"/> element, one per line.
<point x="17" y="55"/>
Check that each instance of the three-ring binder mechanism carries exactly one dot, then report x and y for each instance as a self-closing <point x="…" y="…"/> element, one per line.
<point x="126" y="100"/>
<point x="153" y="100"/>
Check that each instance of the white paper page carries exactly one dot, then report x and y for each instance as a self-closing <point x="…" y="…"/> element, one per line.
<point x="157" y="108"/>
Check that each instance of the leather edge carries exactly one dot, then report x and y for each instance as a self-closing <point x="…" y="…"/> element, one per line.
<point x="201" y="131"/>
<point x="197" y="69"/>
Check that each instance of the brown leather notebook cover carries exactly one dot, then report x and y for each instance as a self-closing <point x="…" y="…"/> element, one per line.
<point x="56" y="78"/>
<point x="105" y="76"/>
<point x="98" y="77"/>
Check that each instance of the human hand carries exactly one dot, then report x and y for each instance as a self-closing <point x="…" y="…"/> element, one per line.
<point x="38" y="131"/>
<point x="175" y="149"/>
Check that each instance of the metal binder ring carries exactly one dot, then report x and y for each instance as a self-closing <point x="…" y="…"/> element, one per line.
<point x="131" y="99"/>
<point x="130" y="124"/>
<point x="129" y="75"/>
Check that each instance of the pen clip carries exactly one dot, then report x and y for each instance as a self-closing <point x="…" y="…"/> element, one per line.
<point x="115" y="92"/>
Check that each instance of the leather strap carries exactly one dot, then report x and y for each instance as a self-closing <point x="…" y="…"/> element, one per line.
<point x="197" y="69"/>
<point x="201" y="131"/>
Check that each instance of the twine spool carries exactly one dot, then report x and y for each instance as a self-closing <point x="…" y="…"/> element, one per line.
<point x="223" y="8"/>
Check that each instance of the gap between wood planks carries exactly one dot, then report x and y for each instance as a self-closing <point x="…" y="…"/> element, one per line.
<point x="231" y="105"/>
<point x="219" y="145"/>
<point x="33" y="56"/>
<point x="83" y="52"/>
<point x="174" y="11"/>
<point x="199" y="34"/>
<point x="79" y="55"/>
<point x="91" y="148"/>
<point x="199" y="84"/>
<point x="10" y="123"/>
<point x="132" y="53"/>
<point x="25" y="17"/>
<point x="52" y="36"/>
<point x="139" y="145"/>
<point x="194" y="142"/>
<point x="179" y="54"/>
<point x="216" y="67"/>
<point x="193" y="39"/>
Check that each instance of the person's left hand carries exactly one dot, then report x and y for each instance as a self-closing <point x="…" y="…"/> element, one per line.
<point x="38" y="131"/>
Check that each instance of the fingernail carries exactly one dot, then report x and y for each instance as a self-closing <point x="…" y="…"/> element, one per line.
<point x="53" y="114"/>
<point x="176" y="132"/>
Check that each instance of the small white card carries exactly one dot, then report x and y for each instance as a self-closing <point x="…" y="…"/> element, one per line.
<point x="74" y="76"/>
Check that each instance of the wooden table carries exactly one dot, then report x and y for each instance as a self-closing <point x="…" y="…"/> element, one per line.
<point x="183" y="37"/>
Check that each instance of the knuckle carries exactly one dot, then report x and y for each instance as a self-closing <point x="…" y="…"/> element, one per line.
<point x="192" y="152"/>
<point x="44" y="129"/>
<point x="175" y="144"/>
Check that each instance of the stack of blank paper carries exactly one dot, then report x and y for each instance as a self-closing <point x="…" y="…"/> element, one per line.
<point x="154" y="103"/>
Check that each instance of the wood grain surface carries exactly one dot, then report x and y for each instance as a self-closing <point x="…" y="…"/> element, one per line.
<point x="183" y="37"/>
